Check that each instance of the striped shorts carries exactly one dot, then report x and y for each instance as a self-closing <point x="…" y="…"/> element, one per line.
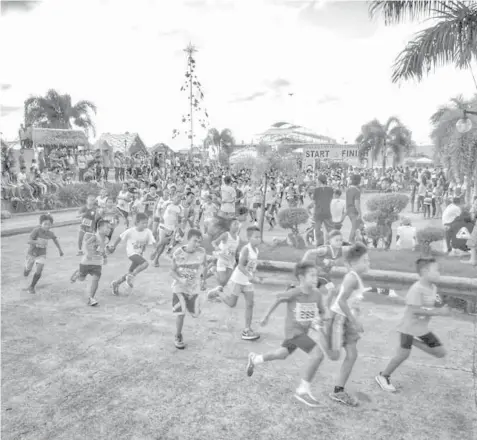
<point x="341" y="332"/>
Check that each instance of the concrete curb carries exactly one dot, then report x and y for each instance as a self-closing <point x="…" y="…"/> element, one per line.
<point x="27" y="229"/>
<point x="465" y="288"/>
<point x="38" y="213"/>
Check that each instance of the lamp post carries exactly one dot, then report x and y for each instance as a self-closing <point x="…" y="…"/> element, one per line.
<point x="464" y="125"/>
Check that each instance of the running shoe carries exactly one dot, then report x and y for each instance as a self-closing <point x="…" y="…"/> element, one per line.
<point x="385" y="383"/>
<point x="344" y="397"/>
<point x="75" y="276"/>
<point x="250" y="335"/>
<point x="213" y="294"/>
<point x="250" y="364"/>
<point x="130" y="280"/>
<point x="179" y="342"/>
<point x="115" y="288"/>
<point x="31" y="290"/>
<point x="307" y="399"/>
<point x="92" y="302"/>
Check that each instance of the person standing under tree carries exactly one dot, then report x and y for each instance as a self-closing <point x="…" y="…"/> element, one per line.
<point x="322" y="197"/>
<point x="353" y="205"/>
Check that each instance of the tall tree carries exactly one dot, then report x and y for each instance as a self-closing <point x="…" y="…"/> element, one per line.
<point x="378" y="139"/>
<point x="223" y="141"/>
<point x="451" y="40"/>
<point x="55" y="110"/>
<point x="457" y="151"/>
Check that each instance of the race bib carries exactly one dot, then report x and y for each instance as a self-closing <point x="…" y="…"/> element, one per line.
<point x="41" y="242"/>
<point x="87" y="222"/>
<point x="306" y="312"/>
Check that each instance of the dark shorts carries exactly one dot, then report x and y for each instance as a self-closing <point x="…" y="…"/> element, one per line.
<point x="303" y="342"/>
<point x="89" y="269"/>
<point x="136" y="261"/>
<point x="182" y="302"/>
<point x="341" y="332"/>
<point x="430" y="339"/>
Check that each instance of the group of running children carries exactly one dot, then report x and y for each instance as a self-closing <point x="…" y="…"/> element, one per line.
<point x="320" y="319"/>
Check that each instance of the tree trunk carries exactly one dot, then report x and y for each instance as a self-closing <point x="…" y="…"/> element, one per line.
<point x="262" y="214"/>
<point x="384" y="158"/>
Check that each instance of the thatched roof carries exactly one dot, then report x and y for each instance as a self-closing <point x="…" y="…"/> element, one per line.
<point x="53" y="136"/>
<point x="160" y="148"/>
<point x="131" y="142"/>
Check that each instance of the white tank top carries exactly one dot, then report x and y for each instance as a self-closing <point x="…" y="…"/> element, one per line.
<point x="240" y="278"/>
<point x="353" y="300"/>
<point x="229" y="248"/>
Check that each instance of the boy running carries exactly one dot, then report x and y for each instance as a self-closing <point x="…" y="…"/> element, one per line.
<point x="94" y="258"/>
<point x="88" y="215"/>
<point x="36" y="254"/>
<point x="137" y="238"/>
<point x="241" y="281"/>
<point x="188" y="271"/>
<point x="124" y="203"/>
<point x="159" y="211"/>
<point x="110" y="214"/>
<point x="305" y="311"/>
<point x="149" y="201"/>
<point x="345" y="323"/>
<point x="414" y="326"/>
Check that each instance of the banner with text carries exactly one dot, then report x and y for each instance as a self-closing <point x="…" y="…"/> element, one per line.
<point x="326" y="153"/>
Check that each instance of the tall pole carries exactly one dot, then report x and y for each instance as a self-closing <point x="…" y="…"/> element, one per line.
<point x="190" y="50"/>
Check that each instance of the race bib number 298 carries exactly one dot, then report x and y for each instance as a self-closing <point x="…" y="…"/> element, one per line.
<point x="306" y="312"/>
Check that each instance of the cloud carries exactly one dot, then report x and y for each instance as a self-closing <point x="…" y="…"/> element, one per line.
<point x="327" y="99"/>
<point x="6" y="110"/>
<point x="249" y="98"/>
<point x="279" y="83"/>
<point x="8" y="7"/>
<point x="4" y="87"/>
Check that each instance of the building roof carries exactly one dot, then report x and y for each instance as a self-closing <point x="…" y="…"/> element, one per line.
<point x="54" y="136"/>
<point x="119" y="142"/>
<point x="160" y="148"/>
<point x="285" y="132"/>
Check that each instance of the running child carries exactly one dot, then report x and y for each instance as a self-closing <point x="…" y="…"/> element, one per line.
<point x="124" y="203"/>
<point x="102" y="198"/>
<point x="226" y="246"/>
<point x="305" y="311"/>
<point x="88" y="215"/>
<point x="159" y="207"/>
<point x="110" y="214"/>
<point x="149" y="201"/>
<point x="325" y="258"/>
<point x="345" y="326"/>
<point x="36" y="254"/>
<point x="189" y="266"/>
<point x="241" y="281"/>
<point x="210" y="210"/>
<point x="421" y="302"/>
<point x="94" y="258"/>
<point x="136" y="238"/>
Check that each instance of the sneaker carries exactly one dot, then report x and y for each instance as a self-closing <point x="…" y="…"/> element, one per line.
<point x="79" y="254"/>
<point x="179" y="342"/>
<point x="306" y="398"/>
<point x="250" y="335"/>
<point x="250" y="364"/>
<point x="130" y="280"/>
<point x="115" y="288"/>
<point x="344" y="397"/>
<point x="74" y="277"/>
<point x="213" y="294"/>
<point x="385" y="383"/>
<point x="31" y="290"/>
<point x="92" y="302"/>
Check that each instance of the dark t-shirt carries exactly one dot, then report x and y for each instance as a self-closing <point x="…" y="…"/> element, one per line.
<point x="41" y="236"/>
<point x="352" y="194"/>
<point x="322" y="197"/>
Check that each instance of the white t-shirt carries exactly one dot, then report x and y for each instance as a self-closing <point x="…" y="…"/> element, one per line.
<point x="171" y="216"/>
<point x="123" y="202"/>
<point x="450" y="214"/>
<point x="407" y="236"/>
<point x="337" y="208"/>
<point x="228" y="198"/>
<point x="136" y="241"/>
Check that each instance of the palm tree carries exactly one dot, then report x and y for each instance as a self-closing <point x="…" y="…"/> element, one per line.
<point x="224" y="141"/>
<point x="57" y="111"/>
<point x="452" y="39"/>
<point x="457" y="151"/>
<point x="379" y="139"/>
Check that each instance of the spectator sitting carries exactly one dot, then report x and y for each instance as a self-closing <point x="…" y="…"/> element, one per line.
<point x="22" y="182"/>
<point x="406" y="235"/>
<point x="472" y="241"/>
<point x="8" y="188"/>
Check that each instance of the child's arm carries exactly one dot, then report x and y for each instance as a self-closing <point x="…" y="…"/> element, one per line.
<point x="205" y="270"/>
<point x="350" y="283"/>
<point x="80" y="213"/>
<point x="221" y="239"/>
<point x="243" y="258"/>
<point x="32" y="240"/>
<point x="271" y="309"/>
<point x="174" y="273"/>
<point x="431" y="311"/>
<point x="57" y="244"/>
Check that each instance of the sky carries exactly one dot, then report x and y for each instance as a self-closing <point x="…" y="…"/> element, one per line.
<point x="127" y="57"/>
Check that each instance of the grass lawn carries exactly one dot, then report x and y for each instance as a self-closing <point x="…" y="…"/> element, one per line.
<point x="73" y="372"/>
<point x="400" y="261"/>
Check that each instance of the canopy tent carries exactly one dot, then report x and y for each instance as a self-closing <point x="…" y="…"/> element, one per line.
<point x="129" y="143"/>
<point x="419" y="161"/>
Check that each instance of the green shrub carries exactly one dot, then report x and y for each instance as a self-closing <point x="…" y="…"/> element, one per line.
<point x="428" y="235"/>
<point x="76" y="193"/>
<point x="6" y="214"/>
<point x="291" y="218"/>
<point x="385" y="208"/>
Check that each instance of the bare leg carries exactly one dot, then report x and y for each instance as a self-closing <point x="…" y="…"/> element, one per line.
<point x="347" y="365"/>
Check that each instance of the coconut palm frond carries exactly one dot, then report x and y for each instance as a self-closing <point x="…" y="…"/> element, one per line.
<point x="395" y="12"/>
<point x="453" y="40"/>
<point x="85" y="106"/>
